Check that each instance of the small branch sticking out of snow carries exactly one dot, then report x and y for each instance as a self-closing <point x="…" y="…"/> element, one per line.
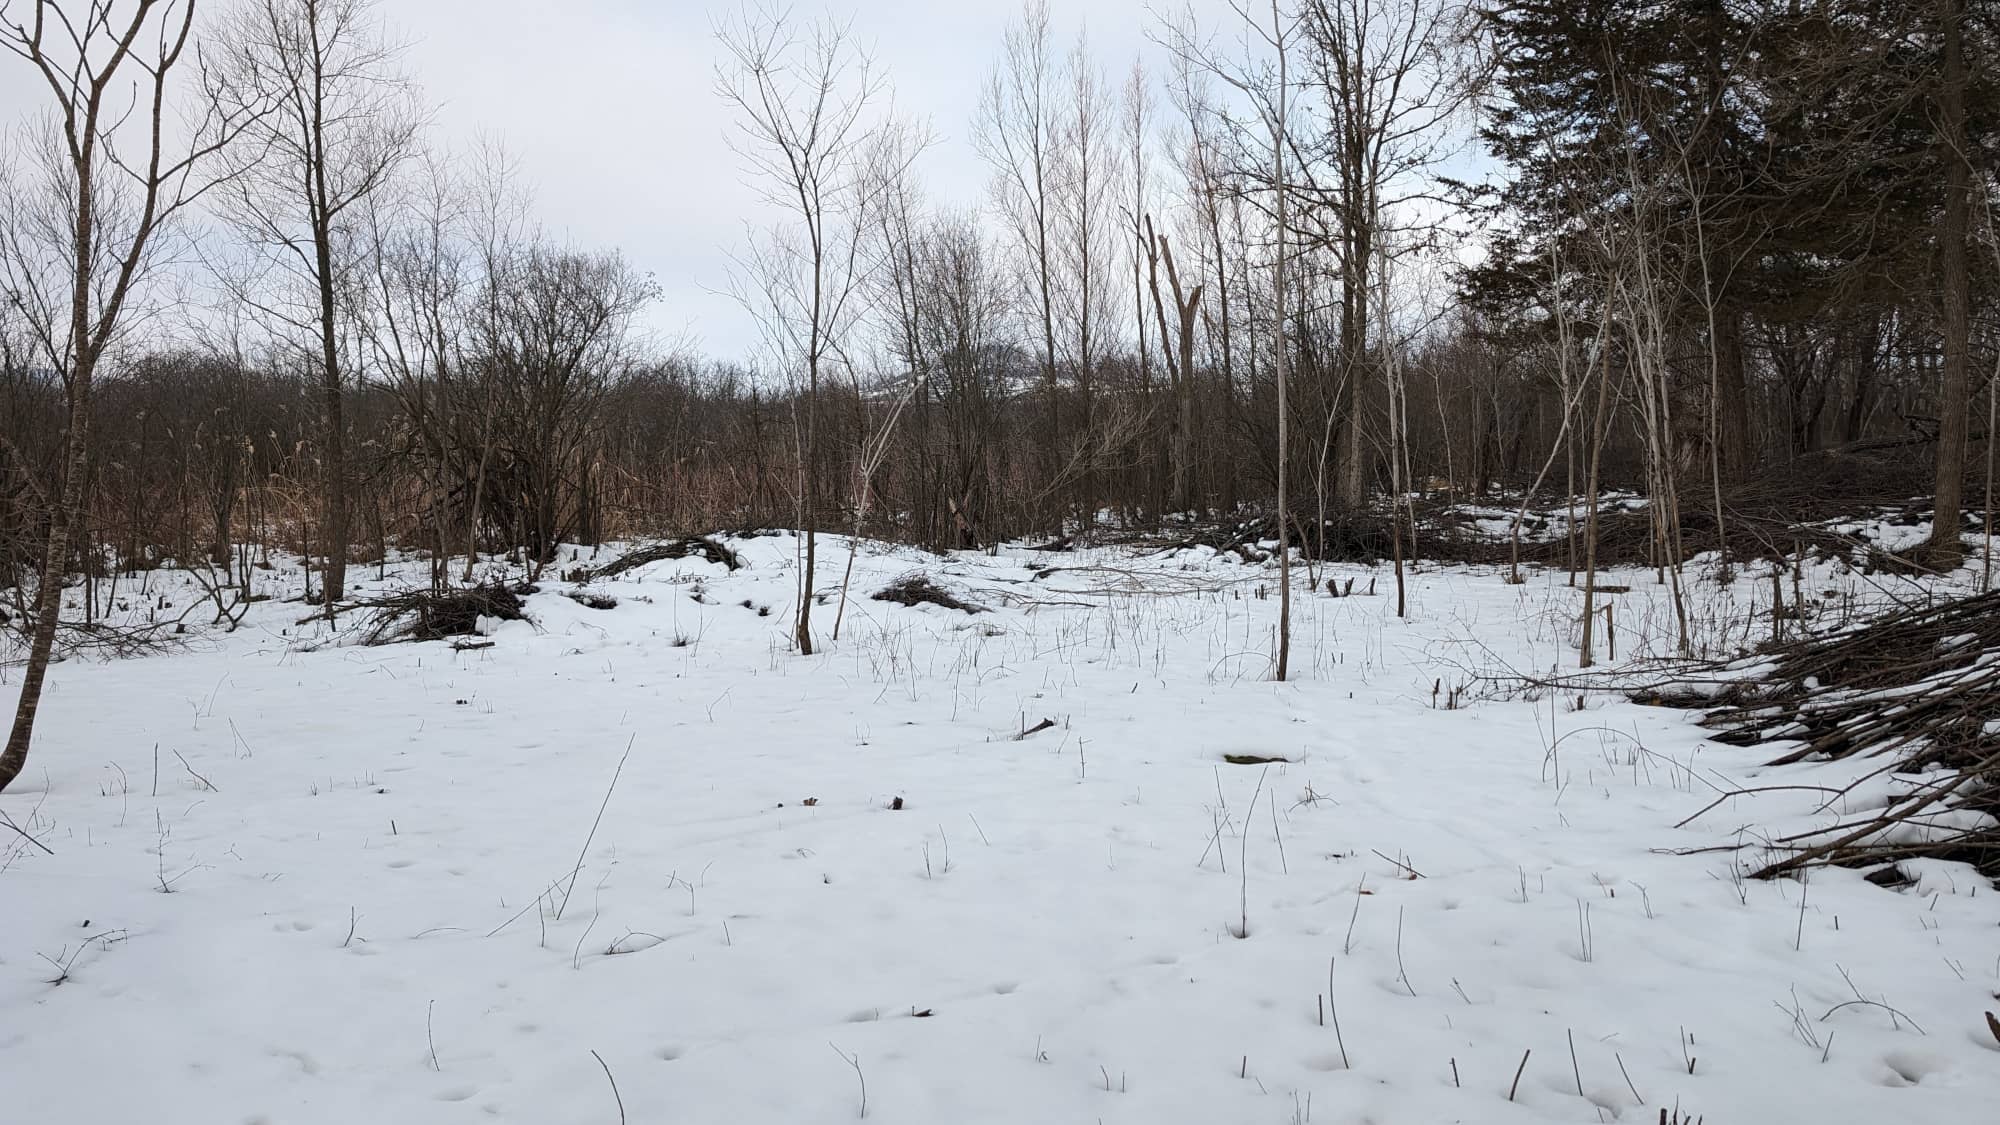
<point x="614" y="1085"/>
<point x="854" y="1060"/>
<point x="593" y="826"/>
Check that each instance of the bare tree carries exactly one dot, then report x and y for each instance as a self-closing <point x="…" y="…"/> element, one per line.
<point x="1017" y="132"/>
<point x="1387" y="75"/>
<point x="1087" y="169"/>
<point x="413" y="310"/>
<point x="346" y="118"/>
<point x="1265" y="84"/>
<point x="1135" y="115"/>
<point x="119" y="190"/>
<point x="1177" y="350"/>
<point x="802" y="98"/>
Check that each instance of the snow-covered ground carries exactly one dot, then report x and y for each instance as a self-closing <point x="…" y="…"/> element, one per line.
<point x="341" y="890"/>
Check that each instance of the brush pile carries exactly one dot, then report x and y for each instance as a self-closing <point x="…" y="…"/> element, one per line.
<point x="915" y="589"/>
<point x="697" y="546"/>
<point x="1920" y="688"/>
<point x="431" y="615"/>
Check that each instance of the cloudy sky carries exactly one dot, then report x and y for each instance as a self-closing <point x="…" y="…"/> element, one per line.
<point x="610" y="107"/>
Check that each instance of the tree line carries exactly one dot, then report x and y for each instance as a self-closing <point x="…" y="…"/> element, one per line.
<point x="1311" y="260"/>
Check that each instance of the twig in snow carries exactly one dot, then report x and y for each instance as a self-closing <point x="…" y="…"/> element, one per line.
<point x="1243" y="857"/>
<point x="576" y="955"/>
<point x="1874" y="1004"/>
<point x="593" y="826"/>
<point x="1628" y="1079"/>
<point x="539" y="899"/>
<point x="1045" y="724"/>
<point x="108" y="937"/>
<point x="614" y="1085"/>
<point x="1360" y="889"/>
<point x="1518" y="1071"/>
<point x="1414" y="873"/>
<point x="238" y="735"/>
<point x="854" y="1060"/>
<point x="1574" y="1068"/>
<point x="1402" y="974"/>
<point x="9" y="822"/>
<point x="1214" y="844"/>
<point x="1283" y="864"/>
<point x="206" y="783"/>
<point x="1799" y="939"/>
<point x="429" y="1038"/>
<point x="1335" y="1006"/>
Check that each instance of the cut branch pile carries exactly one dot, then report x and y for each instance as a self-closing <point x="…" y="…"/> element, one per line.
<point x="915" y="589"/>
<point x="1362" y="537"/>
<point x="428" y="615"/>
<point x="694" y="545"/>
<point x="1921" y="688"/>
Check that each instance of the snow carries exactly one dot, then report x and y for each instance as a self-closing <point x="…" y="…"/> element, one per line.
<point x="352" y="900"/>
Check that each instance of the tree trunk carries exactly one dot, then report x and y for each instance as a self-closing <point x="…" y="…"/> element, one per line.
<point x="1947" y="546"/>
<point x="75" y="460"/>
<point x="1283" y="362"/>
<point x="48" y="598"/>
<point x="1732" y="395"/>
<point x="333" y="580"/>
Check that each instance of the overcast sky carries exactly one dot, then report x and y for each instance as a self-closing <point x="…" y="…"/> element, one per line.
<point x="610" y="111"/>
<point x="610" y="107"/>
